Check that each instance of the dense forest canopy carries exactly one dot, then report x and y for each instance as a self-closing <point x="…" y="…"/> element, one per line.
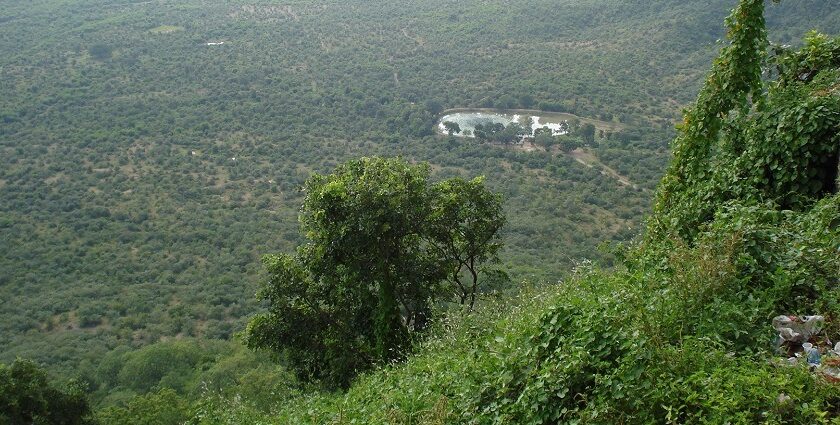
<point x="152" y="152"/>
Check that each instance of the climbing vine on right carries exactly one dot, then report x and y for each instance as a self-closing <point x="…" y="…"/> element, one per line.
<point x="765" y="128"/>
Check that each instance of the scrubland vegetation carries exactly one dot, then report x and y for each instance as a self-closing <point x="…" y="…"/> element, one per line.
<point x="145" y="173"/>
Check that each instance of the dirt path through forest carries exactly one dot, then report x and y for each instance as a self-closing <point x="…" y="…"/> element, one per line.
<point x="587" y="158"/>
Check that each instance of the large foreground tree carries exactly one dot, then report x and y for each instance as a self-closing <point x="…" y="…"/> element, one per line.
<point x="383" y="244"/>
<point x="463" y="228"/>
<point x="28" y="397"/>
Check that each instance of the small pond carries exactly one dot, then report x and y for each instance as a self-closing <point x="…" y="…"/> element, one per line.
<point x="467" y="120"/>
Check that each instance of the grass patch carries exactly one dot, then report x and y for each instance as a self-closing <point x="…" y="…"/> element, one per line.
<point x="166" y="29"/>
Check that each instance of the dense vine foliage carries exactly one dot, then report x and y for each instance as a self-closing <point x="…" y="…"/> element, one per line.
<point x="749" y="141"/>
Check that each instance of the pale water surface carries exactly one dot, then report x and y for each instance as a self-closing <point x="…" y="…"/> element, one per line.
<point x="468" y="120"/>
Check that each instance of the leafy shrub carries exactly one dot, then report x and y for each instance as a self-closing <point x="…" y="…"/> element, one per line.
<point x="28" y="397"/>
<point x="164" y="407"/>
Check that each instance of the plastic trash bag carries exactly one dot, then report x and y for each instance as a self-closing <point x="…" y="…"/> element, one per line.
<point x="798" y="329"/>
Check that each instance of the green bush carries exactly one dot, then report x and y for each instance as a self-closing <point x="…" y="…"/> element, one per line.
<point x="164" y="407"/>
<point x="28" y="397"/>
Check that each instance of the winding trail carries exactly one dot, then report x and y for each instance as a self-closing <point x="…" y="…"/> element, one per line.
<point x="585" y="157"/>
<point x="419" y="40"/>
<point x="589" y="159"/>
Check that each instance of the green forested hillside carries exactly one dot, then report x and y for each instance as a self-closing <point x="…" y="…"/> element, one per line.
<point x="144" y="172"/>
<point x="681" y="332"/>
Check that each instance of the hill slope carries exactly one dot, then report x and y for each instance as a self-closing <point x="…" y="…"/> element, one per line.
<point x="143" y="171"/>
<point x="682" y="333"/>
